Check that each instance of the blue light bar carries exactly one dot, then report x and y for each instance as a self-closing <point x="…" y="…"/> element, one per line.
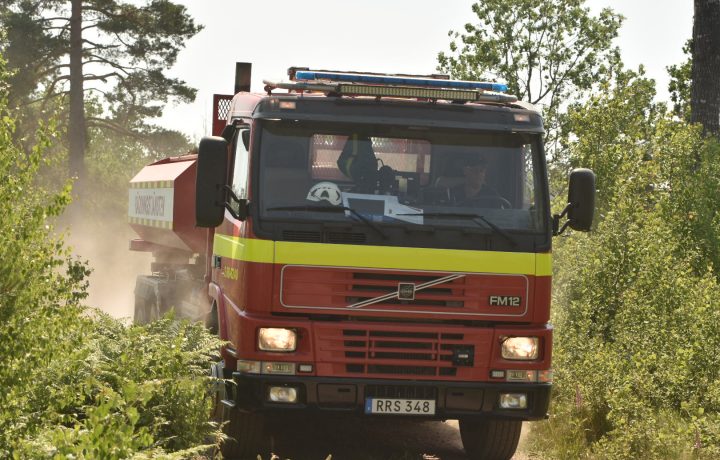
<point x="396" y="80"/>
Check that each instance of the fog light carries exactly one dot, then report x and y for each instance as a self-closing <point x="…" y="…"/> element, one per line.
<point x="513" y="401"/>
<point x="249" y="367"/>
<point x="283" y="394"/>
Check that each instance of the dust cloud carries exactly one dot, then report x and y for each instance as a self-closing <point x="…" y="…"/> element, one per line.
<point x="114" y="266"/>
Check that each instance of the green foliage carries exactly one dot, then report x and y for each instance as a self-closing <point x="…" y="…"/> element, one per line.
<point x="129" y="390"/>
<point x="112" y="160"/>
<point x="126" y="49"/>
<point x="637" y="302"/>
<point x="77" y="383"/>
<point x="610" y="133"/>
<point x="40" y="285"/>
<point x="546" y="51"/>
<point x="127" y="43"/>
<point x="681" y="84"/>
<point x="692" y="172"/>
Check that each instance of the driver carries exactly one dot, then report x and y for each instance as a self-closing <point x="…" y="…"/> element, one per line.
<point x="474" y="187"/>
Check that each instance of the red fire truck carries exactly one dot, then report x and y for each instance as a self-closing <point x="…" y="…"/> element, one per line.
<point x="371" y="245"/>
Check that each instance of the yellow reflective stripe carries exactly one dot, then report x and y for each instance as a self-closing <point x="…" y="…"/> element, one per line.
<point x="543" y="264"/>
<point x="166" y="224"/>
<point x="245" y="249"/>
<point x="153" y="184"/>
<point x="342" y="255"/>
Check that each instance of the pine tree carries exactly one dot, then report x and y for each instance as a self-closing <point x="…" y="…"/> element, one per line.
<point x="113" y="52"/>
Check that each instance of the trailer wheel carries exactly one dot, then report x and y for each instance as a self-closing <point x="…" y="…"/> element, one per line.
<point x="246" y="432"/>
<point x="148" y="300"/>
<point x="147" y="310"/>
<point x="490" y="439"/>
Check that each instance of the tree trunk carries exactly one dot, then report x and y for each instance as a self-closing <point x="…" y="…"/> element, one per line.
<point x="77" y="131"/>
<point x="705" y="97"/>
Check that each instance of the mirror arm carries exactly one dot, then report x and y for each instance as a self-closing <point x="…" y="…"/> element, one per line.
<point x="559" y="232"/>
<point x="556" y="220"/>
<point x="241" y="203"/>
<point x="231" y="192"/>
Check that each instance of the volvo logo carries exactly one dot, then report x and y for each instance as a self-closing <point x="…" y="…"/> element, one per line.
<point x="406" y="291"/>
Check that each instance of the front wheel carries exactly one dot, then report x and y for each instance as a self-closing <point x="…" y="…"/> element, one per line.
<point x="490" y="439"/>
<point x="247" y="434"/>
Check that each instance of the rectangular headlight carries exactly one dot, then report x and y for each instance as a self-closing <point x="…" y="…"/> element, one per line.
<point x="276" y="339"/>
<point x="520" y="348"/>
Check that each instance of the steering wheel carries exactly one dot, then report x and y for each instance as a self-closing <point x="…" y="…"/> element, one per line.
<point x="487" y="201"/>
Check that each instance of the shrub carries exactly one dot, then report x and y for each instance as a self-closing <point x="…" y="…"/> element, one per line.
<point x="77" y="383"/>
<point x="637" y="302"/>
<point x="131" y="389"/>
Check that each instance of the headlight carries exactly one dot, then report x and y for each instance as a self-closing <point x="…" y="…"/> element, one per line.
<point x="276" y="339"/>
<point x="520" y="348"/>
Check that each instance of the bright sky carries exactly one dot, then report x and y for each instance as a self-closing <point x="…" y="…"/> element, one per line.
<point x="394" y="36"/>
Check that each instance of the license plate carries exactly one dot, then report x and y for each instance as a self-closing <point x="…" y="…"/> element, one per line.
<point x="399" y="406"/>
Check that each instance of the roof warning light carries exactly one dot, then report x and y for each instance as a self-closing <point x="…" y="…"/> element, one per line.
<point x="419" y="87"/>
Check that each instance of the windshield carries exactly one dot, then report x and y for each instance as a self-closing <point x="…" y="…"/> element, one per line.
<point x="401" y="176"/>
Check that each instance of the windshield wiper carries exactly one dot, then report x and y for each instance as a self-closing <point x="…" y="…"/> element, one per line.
<point x="333" y="209"/>
<point x="477" y="218"/>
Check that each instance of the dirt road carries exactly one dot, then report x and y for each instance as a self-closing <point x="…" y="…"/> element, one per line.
<point x="357" y="439"/>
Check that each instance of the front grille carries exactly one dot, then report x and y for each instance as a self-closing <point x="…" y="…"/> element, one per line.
<point x="367" y="285"/>
<point x="392" y="351"/>
<point x="403" y="353"/>
<point x="365" y="290"/>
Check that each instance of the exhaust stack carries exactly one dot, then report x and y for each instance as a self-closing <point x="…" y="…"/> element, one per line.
<point x="243" y="72"/>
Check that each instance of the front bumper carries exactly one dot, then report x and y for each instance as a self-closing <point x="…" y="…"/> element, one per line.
<point x="331" y="395"/>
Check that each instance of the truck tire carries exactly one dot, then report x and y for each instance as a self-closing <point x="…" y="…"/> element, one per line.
<point x="148" y="299"/>
<point x="147" y="310"/>
<point x="247" y="435"/>
<point x="247" y="438"/>
<point x="490" y="439"/>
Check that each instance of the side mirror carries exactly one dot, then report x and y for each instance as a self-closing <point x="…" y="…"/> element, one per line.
<point x="581" y="203"/>
<point x="581" y="197"/>
<point x="210" y="185"/>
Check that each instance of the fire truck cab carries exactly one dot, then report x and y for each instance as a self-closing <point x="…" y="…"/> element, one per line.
<point x="380" y="246"/>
